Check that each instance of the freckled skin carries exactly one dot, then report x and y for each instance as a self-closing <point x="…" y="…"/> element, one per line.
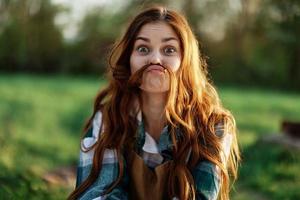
<point x="156" y="44"/>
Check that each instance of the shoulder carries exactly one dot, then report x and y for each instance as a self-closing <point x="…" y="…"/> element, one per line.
<point x="225" y="136"/>
<point x="93" y="133"/>
<point x="97" y="122"/>
<point x="221" y="131"/>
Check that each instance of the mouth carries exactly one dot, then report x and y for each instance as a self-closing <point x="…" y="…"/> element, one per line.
<point x="155" y="68"/>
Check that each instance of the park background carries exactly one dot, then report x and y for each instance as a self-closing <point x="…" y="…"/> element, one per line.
<point x="53" y="58"/>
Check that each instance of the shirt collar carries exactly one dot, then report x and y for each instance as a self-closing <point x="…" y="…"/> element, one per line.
<point x="147" y="143"/>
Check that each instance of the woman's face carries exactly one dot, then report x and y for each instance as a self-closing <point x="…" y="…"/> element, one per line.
<point x="158" y="46"/>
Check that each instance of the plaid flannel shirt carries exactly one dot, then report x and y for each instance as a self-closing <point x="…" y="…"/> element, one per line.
<point x="205" y="174"/>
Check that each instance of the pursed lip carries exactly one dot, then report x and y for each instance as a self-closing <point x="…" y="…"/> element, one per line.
<point x="155" y="67"/>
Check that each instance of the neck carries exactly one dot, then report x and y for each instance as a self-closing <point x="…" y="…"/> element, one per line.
<point x="154" y="113"/>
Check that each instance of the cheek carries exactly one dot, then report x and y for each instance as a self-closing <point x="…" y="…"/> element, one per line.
<point x="175" y="64"/>
<point x="136" y="62"/>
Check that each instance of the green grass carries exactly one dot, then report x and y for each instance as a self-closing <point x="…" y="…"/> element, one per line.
<point x="41" y="120"/>
<point x="267" y="170"/>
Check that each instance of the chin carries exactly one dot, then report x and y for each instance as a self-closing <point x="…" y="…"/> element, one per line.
<point x="155" y="84"/>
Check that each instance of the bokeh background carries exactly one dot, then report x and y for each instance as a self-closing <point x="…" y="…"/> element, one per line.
<point x="53" y="57"/>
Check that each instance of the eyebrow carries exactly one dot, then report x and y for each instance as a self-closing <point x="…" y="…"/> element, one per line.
<point x="163" y="40"/>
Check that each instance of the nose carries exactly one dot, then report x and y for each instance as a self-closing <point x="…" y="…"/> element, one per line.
<point x="156" y="58"/>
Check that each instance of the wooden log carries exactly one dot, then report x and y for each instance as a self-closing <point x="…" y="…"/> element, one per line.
<point x="291" y="128"/>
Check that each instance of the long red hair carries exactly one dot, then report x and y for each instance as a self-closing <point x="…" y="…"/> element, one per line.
<point x="193" y="106"/>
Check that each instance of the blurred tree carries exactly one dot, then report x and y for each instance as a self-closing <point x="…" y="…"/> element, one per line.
<point x="29" y="39"/>
<point x="98" y="30"/>
<point x="261" y="45"/>
<point x="249" y="41"/>
<point x="277" y="50"/>
<point x="286" y="35"/>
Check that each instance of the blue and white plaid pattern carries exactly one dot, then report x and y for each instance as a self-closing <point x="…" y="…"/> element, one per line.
<point x="205" y="174"/>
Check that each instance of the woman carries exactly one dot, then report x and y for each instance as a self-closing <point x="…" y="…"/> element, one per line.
<point x="158" y="130"/>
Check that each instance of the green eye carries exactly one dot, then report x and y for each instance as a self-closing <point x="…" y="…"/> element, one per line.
<point x="169" y="50"/>
<point x="143" y="49"/>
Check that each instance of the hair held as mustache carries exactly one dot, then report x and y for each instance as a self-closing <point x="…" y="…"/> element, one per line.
<point x="135" y="80"/>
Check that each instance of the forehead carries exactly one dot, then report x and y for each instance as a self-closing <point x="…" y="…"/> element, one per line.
<point x="157" y="29"/>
